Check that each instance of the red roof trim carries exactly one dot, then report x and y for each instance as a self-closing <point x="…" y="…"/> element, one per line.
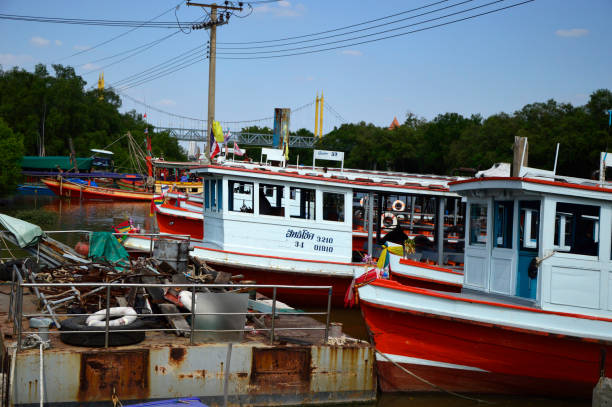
<point x="535" y="181"/>
<point x="333" y="180"/>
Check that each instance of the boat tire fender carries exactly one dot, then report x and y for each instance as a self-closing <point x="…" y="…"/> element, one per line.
<point x="117" y="335"/>
<point x="127" y="315"/>
<point x="399" y="205"/>
<point x="532" y="270"/>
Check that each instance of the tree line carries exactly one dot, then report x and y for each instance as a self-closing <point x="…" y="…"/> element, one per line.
<point x="40" y="112"/>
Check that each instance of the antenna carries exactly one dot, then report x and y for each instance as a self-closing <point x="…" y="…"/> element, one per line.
<point x="556" y="156"/>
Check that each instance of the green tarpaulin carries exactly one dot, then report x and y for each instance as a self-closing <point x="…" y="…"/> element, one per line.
<point x="25" y="232"/>
<point x="104" y="246"/>
<point x="51" y="163"/>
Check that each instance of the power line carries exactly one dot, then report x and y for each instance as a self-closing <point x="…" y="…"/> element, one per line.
<point x="100" y="22"/>
<point x="167" y="72"/>
<point x="371" y="34"/>
<point x="382" y="38"/>
<point x="120" y="35"/>
<point x="354" y="31"/>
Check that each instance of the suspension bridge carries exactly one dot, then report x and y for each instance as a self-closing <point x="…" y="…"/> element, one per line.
<point x="242" y="138"/>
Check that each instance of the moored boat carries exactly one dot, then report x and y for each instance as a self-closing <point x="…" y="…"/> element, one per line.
<point x="73" y="190"/>
<point x="534" y="315"/>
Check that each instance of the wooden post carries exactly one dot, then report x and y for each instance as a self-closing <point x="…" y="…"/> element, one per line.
<point x="520" y="149"/>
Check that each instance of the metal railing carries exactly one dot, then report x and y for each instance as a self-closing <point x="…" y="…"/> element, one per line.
<point x="16" y="314"/>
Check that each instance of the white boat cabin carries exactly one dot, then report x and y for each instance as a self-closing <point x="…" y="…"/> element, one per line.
<point x="315" y="213"/>
<point x="541" y="239"/>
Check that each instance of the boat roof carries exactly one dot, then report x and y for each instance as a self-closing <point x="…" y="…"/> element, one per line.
<point x="559" y="185"/>
<point x="382" y="181"/>
<point x="97" y="150"/>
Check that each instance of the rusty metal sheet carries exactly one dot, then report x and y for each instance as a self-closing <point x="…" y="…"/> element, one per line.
<point x="127" y="372"/>
<point x="281" y="369"/>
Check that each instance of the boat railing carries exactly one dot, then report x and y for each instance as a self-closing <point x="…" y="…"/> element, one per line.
<point x="17" y="315"/>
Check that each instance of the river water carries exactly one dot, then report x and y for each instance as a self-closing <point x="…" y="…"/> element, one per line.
<point x="102" y="216"/>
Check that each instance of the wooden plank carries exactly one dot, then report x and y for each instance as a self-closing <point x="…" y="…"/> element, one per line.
<point x="176" y="321"/>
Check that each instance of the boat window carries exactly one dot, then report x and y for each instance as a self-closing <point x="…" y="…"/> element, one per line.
<point x="529" y="225"/>
<point x="478" y="224"/>
<point x="333" y="206"/>
<point x="240" y="196"/>
<point x="213" y="194"/>
<point x="503" y="224"/>
<point x="577" y="228"/>
<point x="302" y="203"/>
<point x="207" y="194"/>
<point x="271" y="200"/>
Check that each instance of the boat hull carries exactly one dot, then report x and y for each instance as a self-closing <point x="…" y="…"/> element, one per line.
<point x="75" y="191"/>
<point x="182" y="224"/>
<point x="474" y="357"/>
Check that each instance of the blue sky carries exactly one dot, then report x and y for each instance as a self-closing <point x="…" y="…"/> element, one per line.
<point x="545" y="49"/>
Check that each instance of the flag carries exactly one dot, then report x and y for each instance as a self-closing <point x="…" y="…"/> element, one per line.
<point x="286" y="151"/>
<point x="214" y="146"/>
<point x="228" y="136"/>
<point x="145" y="116"/>
<point x="146" y="130"/>
<point x="217" y="131"/>
<point x="237" y="150"/>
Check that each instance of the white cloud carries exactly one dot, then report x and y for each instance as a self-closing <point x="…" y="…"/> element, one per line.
<point x="81" y="47"/>
<point x="281" y="9"/>
<point x="352" y="52"/>
<point x="39" y="41"/>
<point x="58" y="43"/>
<point x="572" y="32"/>
<point x="166" y="102"/>
<point x="90" y="67"/>
<point x="10" y="60"/>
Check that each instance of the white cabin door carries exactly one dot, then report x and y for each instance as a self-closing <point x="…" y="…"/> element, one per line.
<point x="477" y="246"/>
<point x="503" y="257"/>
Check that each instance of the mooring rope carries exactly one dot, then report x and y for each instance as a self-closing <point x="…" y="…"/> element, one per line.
<point x="452" y="393"/>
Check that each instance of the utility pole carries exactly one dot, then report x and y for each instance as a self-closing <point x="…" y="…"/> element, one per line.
<point x="212" y="58"/>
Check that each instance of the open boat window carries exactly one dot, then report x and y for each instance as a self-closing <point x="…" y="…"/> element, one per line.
<point x="478" y="224"/>
<point x="271" y="200"/>
<point x="302" y="203"/>
<point x="577" y="228"/>
<point x="504" y="213"/>
<point x="529" y="225"/>
<point x="240" y="196"/>
<point x="333" y="206"/>
<point x="220" y="194"/>
<point x="213" y="194"/>
<point x="207" y="194"/>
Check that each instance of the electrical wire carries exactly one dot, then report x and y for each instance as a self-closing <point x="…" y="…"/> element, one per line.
<point x="384" y="38"/>
<point x="355" y="31"/>
<point x="337" y="29"/>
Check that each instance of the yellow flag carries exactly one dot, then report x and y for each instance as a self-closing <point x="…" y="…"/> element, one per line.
<point x="287" y="151"/>
<point x="218" y="132"/>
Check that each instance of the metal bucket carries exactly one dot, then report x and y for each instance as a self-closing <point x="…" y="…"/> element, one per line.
<point x="173" y="252"/>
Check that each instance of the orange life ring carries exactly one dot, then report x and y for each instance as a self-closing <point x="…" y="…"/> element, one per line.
<point x="398" y="205"/>
<point x="385" y="222"/>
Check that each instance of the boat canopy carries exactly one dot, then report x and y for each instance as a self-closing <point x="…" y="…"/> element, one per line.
<point x="52" y="162"/>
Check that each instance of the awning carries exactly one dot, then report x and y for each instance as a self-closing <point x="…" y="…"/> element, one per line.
<point x="26" y="233"/>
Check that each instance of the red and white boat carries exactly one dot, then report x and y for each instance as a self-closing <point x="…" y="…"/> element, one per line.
<point x="176" y="220"/>
<point x="534" y="315"/>
<point x="288" y="225"/>
<point x="73" y="190"/>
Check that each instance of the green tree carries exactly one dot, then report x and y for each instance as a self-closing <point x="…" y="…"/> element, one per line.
<point x="11" y="151"/>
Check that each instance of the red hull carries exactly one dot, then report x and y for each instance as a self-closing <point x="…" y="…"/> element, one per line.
<point x="74" y="191"/>
<point x="180" y="225"/>
<point x="506" y="361"/>
<point x="293" y="297"/>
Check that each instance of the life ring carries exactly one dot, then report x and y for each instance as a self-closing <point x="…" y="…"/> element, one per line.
<point x="361" y="201"/>
<point x="398" y="205"/>
<point x="388" y="219"/>
<point x="127" y="314"/>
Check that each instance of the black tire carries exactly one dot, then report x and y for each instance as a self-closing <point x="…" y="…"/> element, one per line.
<point x="116" y="334"/>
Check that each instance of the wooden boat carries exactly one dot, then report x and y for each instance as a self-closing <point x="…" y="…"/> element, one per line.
<point x="296" y="225"/>
<point x="73" y="190"/>
<point x="534" y="315"/>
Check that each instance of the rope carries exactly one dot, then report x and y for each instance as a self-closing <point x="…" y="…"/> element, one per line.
<point x="115" y="399"/>
<point x="452" y="393"/>
<point x="7" y="248"/>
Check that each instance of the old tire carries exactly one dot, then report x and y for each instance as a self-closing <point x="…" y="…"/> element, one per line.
<point x="117" y="335"/>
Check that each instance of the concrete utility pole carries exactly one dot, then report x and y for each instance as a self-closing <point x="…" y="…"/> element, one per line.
<point x="212" y="59"/>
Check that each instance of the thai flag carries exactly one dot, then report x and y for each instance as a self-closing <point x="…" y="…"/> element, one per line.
<point x="214" y="146"/>
<point x="146" y="130"/>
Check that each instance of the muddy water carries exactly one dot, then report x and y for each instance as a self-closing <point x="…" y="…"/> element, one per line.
<point x="101" y="216"/>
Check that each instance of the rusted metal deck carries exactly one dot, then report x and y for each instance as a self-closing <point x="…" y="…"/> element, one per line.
<point x="297" y="369"/>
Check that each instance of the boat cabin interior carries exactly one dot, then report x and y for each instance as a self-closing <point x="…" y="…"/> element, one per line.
<point x="323" y="215"/>
<point x="541" y="240"/>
